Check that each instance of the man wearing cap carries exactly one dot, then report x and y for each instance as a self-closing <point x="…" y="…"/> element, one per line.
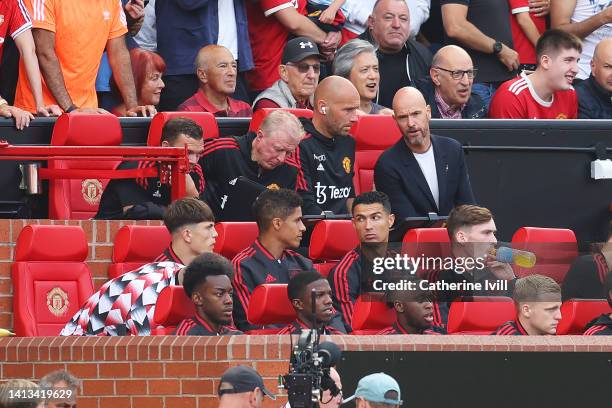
<point x="242" y="387"/>
<point x="299" y="75"/>
<point x="379" y="388"/>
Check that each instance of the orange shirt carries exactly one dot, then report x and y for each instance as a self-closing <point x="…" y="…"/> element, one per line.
<point x="81" y="29"/>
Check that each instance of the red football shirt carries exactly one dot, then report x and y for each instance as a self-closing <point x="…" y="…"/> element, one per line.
<point x="14" y="20"/>
<point x="516" y="99"/>
<point x="522" y="45"/>
<point x="268" y="38"/>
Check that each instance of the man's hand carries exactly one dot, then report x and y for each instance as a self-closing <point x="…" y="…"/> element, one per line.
<point x="332" y="40"/>
<point x="190" y="187"/>
<point x="509" y="58"/>
<point x="499" y="269"/>
<point x="135" y="9"/>
<point x="22" y="118"/>
<point x="98" y="111"/>
<point x="328" y="15"/>
<point x="144" y="110"/>
<point x="50" y="110"/>
<point x="539" y="8"/>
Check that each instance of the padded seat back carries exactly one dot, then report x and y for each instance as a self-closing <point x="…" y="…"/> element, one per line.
<point x="480" y="314"/>
<point x="426" y="242"/>
<point x="329" y="242"/>
<point x="50" y="278"/>
<point x="260" y="115"/>
<point x="373" y="135"/>
<point x="270" y="304"/>
<point x="172" y="307"/>
<point x="576" y="313"/>
<point x="234" y="237"/>
<point x="136" y="245"/>
<point x="371" y="314"/>
<point x="205" y="119"/>
<point x="80" y="198"/>
<point x="555" y="250"/>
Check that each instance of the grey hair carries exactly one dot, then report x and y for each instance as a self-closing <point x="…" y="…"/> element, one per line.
<point x="343" y="62"/>
<point x="8" y="401"/>
<point x="283" y="121"/>
<point x="51" y="379"/>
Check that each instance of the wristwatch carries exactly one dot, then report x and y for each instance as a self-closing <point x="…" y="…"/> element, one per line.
<point x="497" y="47"/>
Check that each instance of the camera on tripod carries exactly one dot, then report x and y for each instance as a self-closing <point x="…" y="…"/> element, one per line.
<point x="309" y="367"/>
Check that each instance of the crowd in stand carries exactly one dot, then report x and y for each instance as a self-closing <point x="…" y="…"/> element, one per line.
<point x="490" y="58"/>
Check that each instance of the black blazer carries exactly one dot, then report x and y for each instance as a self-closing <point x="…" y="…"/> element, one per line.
<point x="397" y="173"/>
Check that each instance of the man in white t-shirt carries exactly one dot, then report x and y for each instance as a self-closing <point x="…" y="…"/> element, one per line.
<point x="591" y="20"/>
<point x="421" y="173"/>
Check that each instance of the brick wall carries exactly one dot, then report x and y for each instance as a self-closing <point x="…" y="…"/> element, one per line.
<point x="100" y="235"/>
<point x="170" y="371"/>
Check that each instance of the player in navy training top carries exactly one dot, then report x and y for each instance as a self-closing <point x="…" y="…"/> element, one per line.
<point x="207" y="282"/>
<point x="414" y="310"/>
<point x="326" y="156"/>
<point x="372" y="220"/>
<point x="270" y="259"/>
<point x="299" y="291"/>
<point x="602" y="326"/>
<point x="538" y="308"/>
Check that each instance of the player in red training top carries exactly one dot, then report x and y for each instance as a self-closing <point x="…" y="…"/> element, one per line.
<point x="548" y="92"/>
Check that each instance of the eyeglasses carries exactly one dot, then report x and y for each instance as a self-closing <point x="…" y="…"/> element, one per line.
<point x="303" y="67"/>
<point x="457" y="75"/>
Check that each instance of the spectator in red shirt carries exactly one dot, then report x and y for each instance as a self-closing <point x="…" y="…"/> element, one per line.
<point x="217" y="71"/>
<point x="548" y="92"/>
<point x="527" y="27"/>
<point x="270" y="24"/>
<point x="147" y="68"/>
<point x="299" y="76"/>
<point x="15" y="21"/>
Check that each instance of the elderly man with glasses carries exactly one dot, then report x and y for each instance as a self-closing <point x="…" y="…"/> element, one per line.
<point x="448" y="90"/>
<point x="299" y="76"/>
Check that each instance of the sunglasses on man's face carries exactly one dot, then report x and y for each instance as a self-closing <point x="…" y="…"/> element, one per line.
<point x="303" y="67"/>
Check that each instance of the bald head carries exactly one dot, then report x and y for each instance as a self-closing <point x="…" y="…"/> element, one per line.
<point x="216" y="71"/>
<point x="412" y="115"/>
<point x="336" y="103"/>
<point x="601" y="64"/>
<point x="408" y="96"/>
<point x="451" y="55"/>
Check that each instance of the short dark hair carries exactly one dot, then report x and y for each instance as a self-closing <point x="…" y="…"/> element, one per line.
<point x="373" y="197"/>
<point x="181" y="126"/>
<point x="297" y="284"/>
<point x="466" y="216"/>
<point x="553" y="41"/>
<point x="203" y="266"/>
<point x="275" y="204"/>
<point x="187" y="211"/>
<point x="608" y="287"/>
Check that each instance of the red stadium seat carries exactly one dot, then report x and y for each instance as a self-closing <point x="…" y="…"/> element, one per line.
<point x="270" y="304"/>
<point x="50" y="278"/>
<point x="480" y="314"/>
<point x="79" y="198"/>
<point x="234" y="237"/>
<point x="373" y="135"/>
<point x="260" y="114"/>
<point x="329" y="242"/>
<point x="136" y="245"/>
<point x="205" y="119"/>
<point x="555" y="250"/>
<point x="171" y="308"/>
<point x="372" y="315"/>
<point x="576" y="313"/>
<point x="426" y="242"/>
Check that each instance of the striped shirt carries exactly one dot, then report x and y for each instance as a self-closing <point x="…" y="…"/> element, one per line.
<point x="602" y="326"/>
<point x="397" y="328"/>
<point x="334" y="326"/>
<point x="196" y="326"/>
<point x="511" y="328"/>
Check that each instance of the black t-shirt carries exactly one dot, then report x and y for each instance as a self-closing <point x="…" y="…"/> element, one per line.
<point x="225" y="159"/>
<point x="585" y="278"/>
<point x="393" y="75"/>
<point x="492" y="18"/>
<point x="325" y="178"/>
